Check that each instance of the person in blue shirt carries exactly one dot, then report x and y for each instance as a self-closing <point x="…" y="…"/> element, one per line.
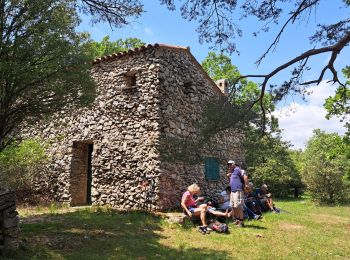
<point x="237" y="184"/>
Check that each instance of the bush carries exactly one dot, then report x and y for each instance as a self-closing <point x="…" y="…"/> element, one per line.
<point x="20" y="164"/>
<point x="327" y="168"/>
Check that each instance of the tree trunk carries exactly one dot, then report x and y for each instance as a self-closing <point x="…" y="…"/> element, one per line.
<point x="9" y="221"/>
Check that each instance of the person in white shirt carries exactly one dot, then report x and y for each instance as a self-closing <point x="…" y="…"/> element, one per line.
<point x="224" y="199"/>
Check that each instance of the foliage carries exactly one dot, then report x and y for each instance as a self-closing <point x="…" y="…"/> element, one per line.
<point x="219" y="66"/>
<point x="41" y="58"/>
<point x="104" y="233"/>
<point x="339" y="104"/>
<point x="115" y="12"/>
<point x="107" y="47"/>
<point x="219" y="24"/>
<point x="267" y="155"/>
<point x="327" y="168"/>
<point x="269" y="162"/>
<point x="21" y="163"/>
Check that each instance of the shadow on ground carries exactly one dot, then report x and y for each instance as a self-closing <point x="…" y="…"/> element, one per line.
<point x="100" y="234"/>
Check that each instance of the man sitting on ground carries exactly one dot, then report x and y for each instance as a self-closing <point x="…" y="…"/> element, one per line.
<point x="250" y="204"/>
<point x="265" y="198"/>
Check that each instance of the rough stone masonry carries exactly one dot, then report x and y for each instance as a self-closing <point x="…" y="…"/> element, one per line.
<point x="111" y="152"/>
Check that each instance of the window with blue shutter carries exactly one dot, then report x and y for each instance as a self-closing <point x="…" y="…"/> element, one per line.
<point x="212" y="169"/>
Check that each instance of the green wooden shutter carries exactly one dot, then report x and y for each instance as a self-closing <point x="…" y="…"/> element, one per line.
<point x="212" y="169"/>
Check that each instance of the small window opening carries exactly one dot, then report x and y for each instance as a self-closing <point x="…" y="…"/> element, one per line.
<point x="130" y="80"/>
<point x="188" y="88"/>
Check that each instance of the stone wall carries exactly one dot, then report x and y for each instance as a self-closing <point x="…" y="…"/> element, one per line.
<point x="122" y="125"/>
<point x="144" y="96"/>
<point x="184" y="94"/>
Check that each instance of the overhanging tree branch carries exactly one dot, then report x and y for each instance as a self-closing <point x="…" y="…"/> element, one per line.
<point x="334" y="49"/>
<point x="294" y="15"/>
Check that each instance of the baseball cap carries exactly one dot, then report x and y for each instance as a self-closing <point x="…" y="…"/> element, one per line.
<point x="264" y="186"/>
<point x="231" y="162"/>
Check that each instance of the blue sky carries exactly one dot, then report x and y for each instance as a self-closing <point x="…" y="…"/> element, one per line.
<point x="158" y="25"/>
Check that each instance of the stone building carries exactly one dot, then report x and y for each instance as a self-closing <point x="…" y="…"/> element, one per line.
<point x="112" y="152"/>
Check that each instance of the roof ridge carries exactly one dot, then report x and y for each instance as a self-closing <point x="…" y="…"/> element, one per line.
<point x="137" y="49"/>
<point x="160" y="45"/>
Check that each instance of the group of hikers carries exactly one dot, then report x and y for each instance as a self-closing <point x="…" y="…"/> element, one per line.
<point x="238" y="201"/>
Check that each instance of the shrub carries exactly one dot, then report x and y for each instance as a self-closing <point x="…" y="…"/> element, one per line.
<point x="21" y="163"/>
<point x="327" y="168"/>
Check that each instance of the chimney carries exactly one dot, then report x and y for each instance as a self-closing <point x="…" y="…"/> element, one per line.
<point x="223" y="85"/>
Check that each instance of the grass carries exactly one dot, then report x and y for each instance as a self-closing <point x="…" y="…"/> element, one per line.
<point x="307" y="231"/>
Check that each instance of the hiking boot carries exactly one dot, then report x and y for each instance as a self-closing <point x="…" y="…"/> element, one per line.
<point x="208" y="230"/>
<point x="202" y="230"/>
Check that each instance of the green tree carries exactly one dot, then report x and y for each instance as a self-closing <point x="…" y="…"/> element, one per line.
<point x="41" y="58"/>
<point x="219" y="23"/>
<point x="106" y="47"/>
<point x="242" y="107"/>
<point x="269" y="162"/>
<point x="267" y="156"/>
<point x="339" y="104"/>
<point x="327" y="167"/>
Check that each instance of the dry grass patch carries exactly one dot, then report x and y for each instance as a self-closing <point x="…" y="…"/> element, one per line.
<point x="290" y="226"/>
<point x="329" y="219"/>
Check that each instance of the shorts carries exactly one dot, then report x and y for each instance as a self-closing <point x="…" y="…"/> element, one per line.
<point x="236" y="199"/>
<point x="192" y="208"/>
<point x="211" y="209"/>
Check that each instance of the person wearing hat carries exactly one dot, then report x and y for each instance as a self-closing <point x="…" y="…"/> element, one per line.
<point x="265" y="198"/>
<point x="237" y="184"/>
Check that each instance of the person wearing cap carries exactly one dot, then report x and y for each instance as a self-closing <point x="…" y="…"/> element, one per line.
<point x="237" y="184"/>
<point x="265" y="198"/>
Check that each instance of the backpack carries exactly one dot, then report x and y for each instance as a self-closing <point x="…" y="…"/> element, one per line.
<point x="254" y="206"/>
<point x="219" y="227"/>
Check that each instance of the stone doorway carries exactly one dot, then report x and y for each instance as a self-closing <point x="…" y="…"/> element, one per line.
<point x="81" y="174"/>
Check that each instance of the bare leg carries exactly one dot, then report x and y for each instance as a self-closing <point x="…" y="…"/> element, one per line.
<point x="201" y="212"/>
<point x="270" y="203"/>
<point x="219" y="213"/>
<point x="240" y="212"/>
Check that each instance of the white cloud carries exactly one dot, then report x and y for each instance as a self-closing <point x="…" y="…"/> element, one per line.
<point x="148" y="31"/>
<point x="298" y="120"/>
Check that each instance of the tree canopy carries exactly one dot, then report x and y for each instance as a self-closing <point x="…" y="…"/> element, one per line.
<point x="267" y="157"/>
<point x="339" y="104"/>
<point x="219" y="24"/>
<point x="41" y="59"/>
<point x="326" y="167"/>
<point x="106" y="47"/>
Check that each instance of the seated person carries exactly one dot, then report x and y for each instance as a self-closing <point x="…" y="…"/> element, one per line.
<point x="250" y="204"/>
<point x="190" y="207"/>
<point x="224" y="199"/>
<point x="265" y="198"/>
<point x="212" y="210"/>
<point x="251" y="200"/>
